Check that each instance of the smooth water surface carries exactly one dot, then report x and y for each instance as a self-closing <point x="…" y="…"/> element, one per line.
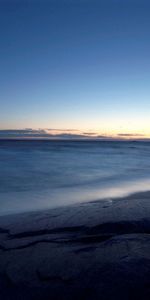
<point x="37" y="174"/>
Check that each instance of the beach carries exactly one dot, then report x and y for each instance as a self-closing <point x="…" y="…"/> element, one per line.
<point x="91" y="250"/>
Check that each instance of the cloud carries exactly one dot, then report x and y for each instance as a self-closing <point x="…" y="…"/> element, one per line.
<point x="130" y="134"/>
<point x="22" y="133"/>
<point x="41" y="133"/>
<point x="89" y="133"/>
<point x="29" y="133"/>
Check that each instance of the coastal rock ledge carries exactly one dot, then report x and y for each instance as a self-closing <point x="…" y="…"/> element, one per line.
<point x="98" y="250"/>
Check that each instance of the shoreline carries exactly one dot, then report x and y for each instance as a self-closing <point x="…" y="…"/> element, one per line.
<point x="133" y="195"/>
<point x="80" y="251"/>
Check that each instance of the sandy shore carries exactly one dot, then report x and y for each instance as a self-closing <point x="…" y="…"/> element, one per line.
<point x="96" y="250"/>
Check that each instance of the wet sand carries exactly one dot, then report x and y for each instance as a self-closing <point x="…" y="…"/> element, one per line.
<point x="95" y="250"/>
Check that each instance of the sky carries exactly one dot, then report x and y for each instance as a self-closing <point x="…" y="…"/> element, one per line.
<point x="77" y="66"/>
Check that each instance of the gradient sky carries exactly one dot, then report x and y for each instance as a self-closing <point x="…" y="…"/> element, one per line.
<point x="75" y="64"/>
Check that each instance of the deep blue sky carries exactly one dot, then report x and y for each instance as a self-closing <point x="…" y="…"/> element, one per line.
<point x="77" y="64"/>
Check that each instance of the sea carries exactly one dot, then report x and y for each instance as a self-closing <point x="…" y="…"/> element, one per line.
<point x="43" y="174"/>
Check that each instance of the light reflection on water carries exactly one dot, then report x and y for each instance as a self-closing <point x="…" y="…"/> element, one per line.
<point x="27" y="201"/>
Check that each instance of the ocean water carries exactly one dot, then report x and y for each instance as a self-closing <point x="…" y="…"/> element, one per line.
<point x="39" y="174"/>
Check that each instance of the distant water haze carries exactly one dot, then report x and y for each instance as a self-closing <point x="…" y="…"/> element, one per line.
<point x="45" y="174"/>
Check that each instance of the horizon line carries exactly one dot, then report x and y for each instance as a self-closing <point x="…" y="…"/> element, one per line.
<point x="69" y="134"/>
